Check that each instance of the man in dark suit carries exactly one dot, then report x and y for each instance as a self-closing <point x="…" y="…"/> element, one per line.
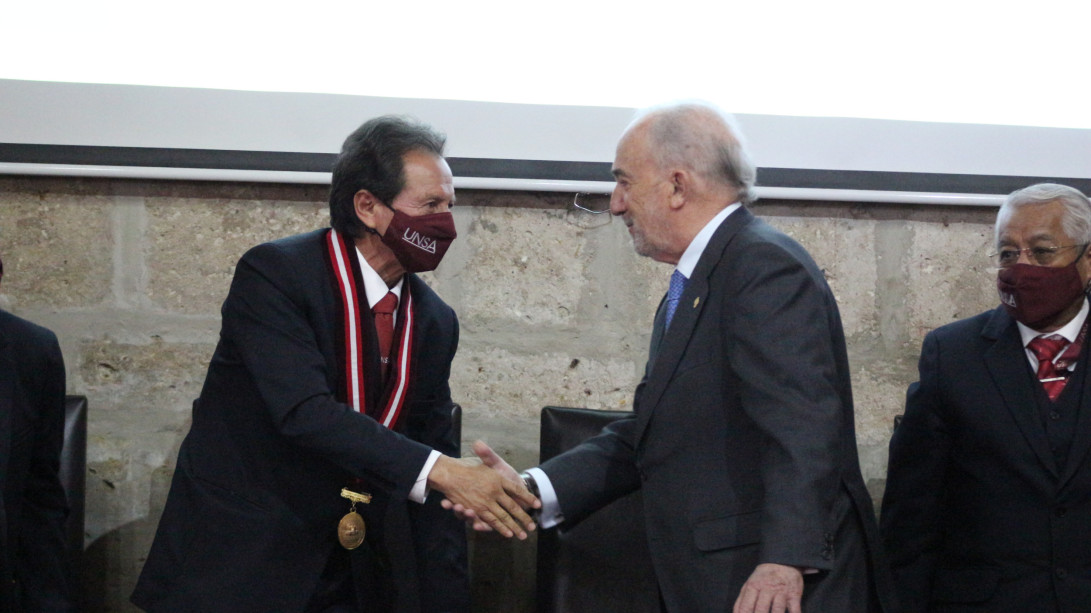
<point x="988" y="496"/>
<point x="33" y="571"/>
<point x="311" y="398"/>
<point x="743" y="440"/>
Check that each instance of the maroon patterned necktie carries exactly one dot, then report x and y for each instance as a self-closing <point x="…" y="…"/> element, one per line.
<point x="1046" y="348"/>
<point x="384" y="328"/>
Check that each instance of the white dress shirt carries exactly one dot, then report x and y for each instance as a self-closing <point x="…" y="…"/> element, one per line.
<point x="375" y="289"/>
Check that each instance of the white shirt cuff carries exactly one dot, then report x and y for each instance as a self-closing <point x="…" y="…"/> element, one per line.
<point x="551" y="508"/>
<point x="420" y="490"/>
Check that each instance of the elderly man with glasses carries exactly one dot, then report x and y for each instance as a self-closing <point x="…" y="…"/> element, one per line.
<point x="988" y="499"/>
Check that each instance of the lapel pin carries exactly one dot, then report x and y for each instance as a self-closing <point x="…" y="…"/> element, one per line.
<point x="696" y="301"/>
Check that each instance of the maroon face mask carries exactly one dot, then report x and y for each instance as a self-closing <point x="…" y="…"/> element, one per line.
<point x="1035" y="295"/>
<point x="420" y="242"/>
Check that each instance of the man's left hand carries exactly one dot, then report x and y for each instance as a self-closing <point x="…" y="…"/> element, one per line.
<point x="771" y="588"/>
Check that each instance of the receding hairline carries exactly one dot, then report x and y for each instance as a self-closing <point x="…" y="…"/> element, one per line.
<point x="698" y="137"/>
<point x="695" y="114"/>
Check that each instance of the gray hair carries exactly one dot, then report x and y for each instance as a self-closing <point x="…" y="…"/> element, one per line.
<point x="702" y="137"/>
<point x="1077" y="208"/>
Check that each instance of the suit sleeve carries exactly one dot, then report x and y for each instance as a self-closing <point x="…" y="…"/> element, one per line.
<point x="43" y="565"/>
<point x="270" y="323"/>
<point x="602" y="468"/>
<point x="919" y="452"/>
<point x="595" y="472"/>
<point x="779" y="341"/>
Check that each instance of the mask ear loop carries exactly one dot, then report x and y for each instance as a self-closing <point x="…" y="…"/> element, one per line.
<point x="375" y="231"/>
<point x="1086" y="286"/>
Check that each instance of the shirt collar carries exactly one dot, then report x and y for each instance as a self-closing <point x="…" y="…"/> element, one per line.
<point x="1070" y="330"/>
<point x="374" y="286"/>
<point x="689" y="258"/>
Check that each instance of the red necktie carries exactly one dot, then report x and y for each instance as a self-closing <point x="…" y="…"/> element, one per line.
<point x="1046" y="348"/>
<point x="384" y="327"/>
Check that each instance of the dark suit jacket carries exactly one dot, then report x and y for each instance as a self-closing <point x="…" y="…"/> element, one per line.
<point x="33" y="572"/>
<point x="251" y="518"/>
<point x="743" y="439"/>
<point x="977" y="515"/>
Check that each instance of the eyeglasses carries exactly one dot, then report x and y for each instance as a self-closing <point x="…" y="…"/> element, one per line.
<point x="585" y="209"/>
<point x="1042" y="256"/>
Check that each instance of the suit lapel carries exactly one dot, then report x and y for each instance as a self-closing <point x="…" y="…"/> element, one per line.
<point x="657" y="334"/>
<point x="665" y="354"/>
<point x="1010" y="377"/>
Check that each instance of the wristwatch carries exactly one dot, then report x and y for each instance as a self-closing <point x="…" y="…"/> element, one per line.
<point x="532" y="487"/>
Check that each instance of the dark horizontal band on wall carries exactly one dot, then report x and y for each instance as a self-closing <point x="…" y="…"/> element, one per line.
<point x="927" y="182"/>
<point x="148" y="157"/>
<point x="153" y="157"/>
<point x="81" y="155"/>
<point x="531" y="169"/>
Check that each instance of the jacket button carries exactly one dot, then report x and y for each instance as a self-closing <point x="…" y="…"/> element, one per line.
<point x="1060" y="511"/>
<point x="1061" y="573"/>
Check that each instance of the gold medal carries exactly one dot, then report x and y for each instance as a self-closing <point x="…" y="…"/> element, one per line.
<point x="351" y="529"/>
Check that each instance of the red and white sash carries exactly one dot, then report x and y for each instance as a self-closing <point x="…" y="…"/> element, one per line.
<point x="343" y="258"/>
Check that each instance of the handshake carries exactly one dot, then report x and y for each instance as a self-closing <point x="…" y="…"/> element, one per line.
<point x="485" y="492"/>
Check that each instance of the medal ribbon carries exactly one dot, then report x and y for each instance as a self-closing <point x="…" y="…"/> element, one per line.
<point x="354" y="359"/>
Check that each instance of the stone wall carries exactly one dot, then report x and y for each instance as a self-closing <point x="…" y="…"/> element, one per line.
<point x="555" y="309"/>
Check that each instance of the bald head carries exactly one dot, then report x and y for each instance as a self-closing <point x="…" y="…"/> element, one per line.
<point x="702" y="139"/>
<point x="676" y="168"/>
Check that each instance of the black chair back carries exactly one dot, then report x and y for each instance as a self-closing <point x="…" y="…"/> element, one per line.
<point x="602" y="564"/>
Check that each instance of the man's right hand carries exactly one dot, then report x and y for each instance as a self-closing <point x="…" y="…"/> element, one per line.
<point x="484" y="494"/>
<point x="489" y="458"/>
